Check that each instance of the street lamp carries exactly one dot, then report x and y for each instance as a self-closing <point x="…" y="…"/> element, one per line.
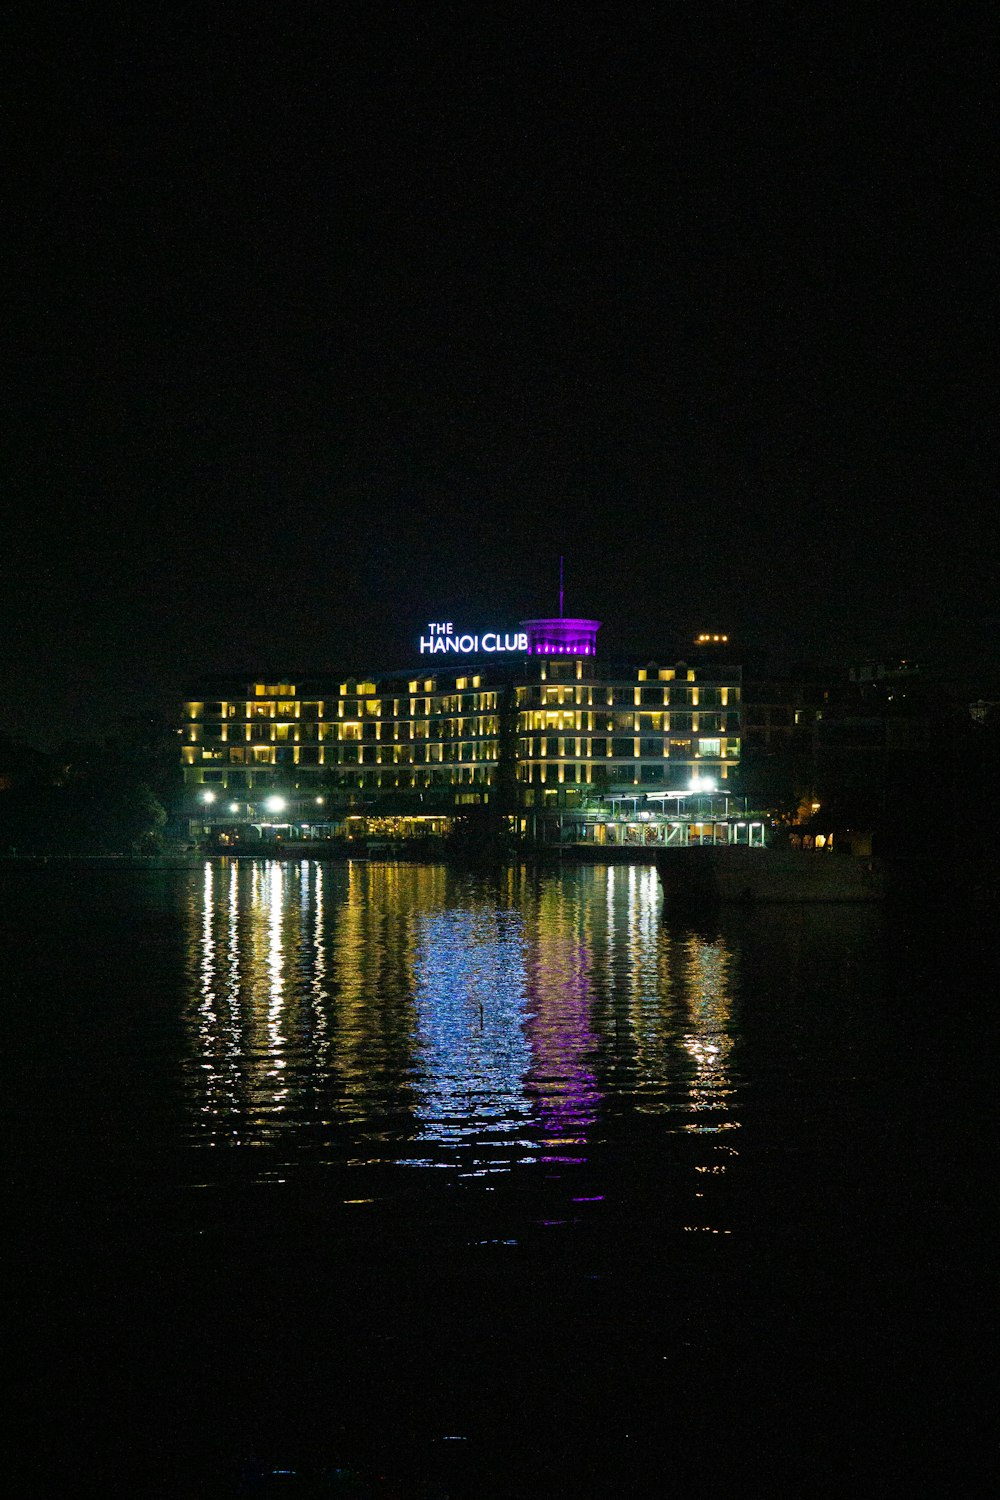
<point x="208" y="796"/>
<point x="274" y="804"/>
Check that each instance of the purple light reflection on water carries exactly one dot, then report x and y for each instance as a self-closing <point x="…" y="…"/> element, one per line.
<point x="562" y="1043"/>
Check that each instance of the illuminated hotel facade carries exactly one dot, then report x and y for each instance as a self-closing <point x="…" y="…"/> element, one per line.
<point x="576" y="731"/>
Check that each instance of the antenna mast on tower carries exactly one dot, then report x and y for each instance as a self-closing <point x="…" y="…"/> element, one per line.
<point x="560" y="588"/>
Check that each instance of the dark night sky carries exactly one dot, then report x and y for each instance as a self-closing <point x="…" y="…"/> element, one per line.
<point x="329" y="320"/>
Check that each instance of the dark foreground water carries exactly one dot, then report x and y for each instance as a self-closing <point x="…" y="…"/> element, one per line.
<point x="383" y="1180"/>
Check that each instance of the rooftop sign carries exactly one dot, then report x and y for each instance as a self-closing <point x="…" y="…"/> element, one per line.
<point x="442" y="637"/>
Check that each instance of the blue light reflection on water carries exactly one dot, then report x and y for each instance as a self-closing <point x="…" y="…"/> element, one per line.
<point x="471" y="1051"/>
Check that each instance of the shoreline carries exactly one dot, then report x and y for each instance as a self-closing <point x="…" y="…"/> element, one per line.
<point x="194" y="859"/>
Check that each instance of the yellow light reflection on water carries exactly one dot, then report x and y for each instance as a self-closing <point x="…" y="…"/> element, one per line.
<point x="401" y="1013"/>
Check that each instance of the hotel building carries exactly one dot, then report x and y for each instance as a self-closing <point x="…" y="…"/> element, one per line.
<point x="537" y="704"/>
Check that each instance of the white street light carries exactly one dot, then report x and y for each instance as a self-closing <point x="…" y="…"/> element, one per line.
<point x="274" y="804"/>
<point x="208" y="796"/>
<point x="234" y="807"/>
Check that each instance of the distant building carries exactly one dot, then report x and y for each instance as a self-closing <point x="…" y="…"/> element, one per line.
<point x="876" y="670"/>
<point x="535" y="703"/>
<point x="779" y="712"/>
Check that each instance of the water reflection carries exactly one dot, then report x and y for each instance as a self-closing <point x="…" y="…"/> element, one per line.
<point x="471" y="1052"/>
<point x="708" y="1040"/>
<point x="563" y="1044"/>
<point x="396" y="1013"/>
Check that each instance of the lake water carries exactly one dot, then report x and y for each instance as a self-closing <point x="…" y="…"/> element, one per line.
<point x="387" y="1180"/>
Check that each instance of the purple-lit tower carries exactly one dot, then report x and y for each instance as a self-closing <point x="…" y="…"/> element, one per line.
<point x="561" y="637"/>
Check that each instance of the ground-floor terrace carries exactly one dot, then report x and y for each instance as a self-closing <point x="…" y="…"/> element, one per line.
<point x="616" y="821"/>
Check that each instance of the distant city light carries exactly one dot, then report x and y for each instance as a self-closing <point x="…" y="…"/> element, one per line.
<point x="320" y="801"/>
<point x="234" y="807"/>
<point x="208" y="796"/>
<point x="274" y="804"/>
